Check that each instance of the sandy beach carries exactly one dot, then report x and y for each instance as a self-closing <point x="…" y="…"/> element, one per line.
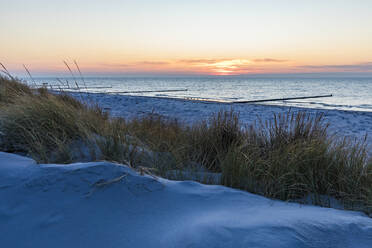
<point x="354" y="124"/>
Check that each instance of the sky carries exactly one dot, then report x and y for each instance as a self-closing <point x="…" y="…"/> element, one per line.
<point x="186" y="37"/>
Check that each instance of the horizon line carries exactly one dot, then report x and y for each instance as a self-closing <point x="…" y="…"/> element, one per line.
<point x="258" y="75"/>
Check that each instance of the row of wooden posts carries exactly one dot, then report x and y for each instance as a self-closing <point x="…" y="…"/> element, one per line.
<point x="191" y="99"/>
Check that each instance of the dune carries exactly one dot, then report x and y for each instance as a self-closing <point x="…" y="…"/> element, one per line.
<point x="102" y="204"/>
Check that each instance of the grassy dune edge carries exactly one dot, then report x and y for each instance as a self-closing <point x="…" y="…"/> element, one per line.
<point x="290" y="157"/>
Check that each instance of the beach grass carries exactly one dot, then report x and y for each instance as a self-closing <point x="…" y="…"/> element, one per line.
<point x="292" y="157"/>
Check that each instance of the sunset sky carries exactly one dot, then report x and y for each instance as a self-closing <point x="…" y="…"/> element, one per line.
<point x="187" y="37"/>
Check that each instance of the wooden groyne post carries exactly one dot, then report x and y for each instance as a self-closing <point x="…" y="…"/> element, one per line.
<point x="283" y="99"/>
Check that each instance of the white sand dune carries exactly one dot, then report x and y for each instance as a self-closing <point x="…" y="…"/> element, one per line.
<point x="101" y="204"/>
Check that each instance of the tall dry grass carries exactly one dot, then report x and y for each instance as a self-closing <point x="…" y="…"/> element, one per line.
<point x="293" y="157"/>
<point x="44" y="125"/>
<point x="11" y="89"/>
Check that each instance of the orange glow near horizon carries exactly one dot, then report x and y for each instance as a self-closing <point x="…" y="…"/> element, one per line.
<point x="215" y="67"/>
<point x="182" y="66"/>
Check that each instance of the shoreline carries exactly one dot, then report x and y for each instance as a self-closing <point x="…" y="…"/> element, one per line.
<point x="354" y="124"/>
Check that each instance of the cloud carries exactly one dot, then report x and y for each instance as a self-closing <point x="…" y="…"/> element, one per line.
<point x="212" y="61"/>
<point x="229" y="66"/>
<point x="269" y="60"/>
<point x="115" y="65"/>
<point x="198" y="61"/>
<point x="134" y="64"/>
<point x="365" y="66"/>
<point x="152" y="63"/>
<point x="223" y="66"/>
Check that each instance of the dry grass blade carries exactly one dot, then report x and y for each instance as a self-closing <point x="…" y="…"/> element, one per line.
<point x="72" y="74"/>
<point x="29" y="74"/>
<point x="6" y="72"/>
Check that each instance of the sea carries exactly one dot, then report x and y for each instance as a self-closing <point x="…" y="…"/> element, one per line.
<point x="353" y="94"/>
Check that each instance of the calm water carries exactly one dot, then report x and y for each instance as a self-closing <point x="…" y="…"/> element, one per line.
<point x="348" y="93"/>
